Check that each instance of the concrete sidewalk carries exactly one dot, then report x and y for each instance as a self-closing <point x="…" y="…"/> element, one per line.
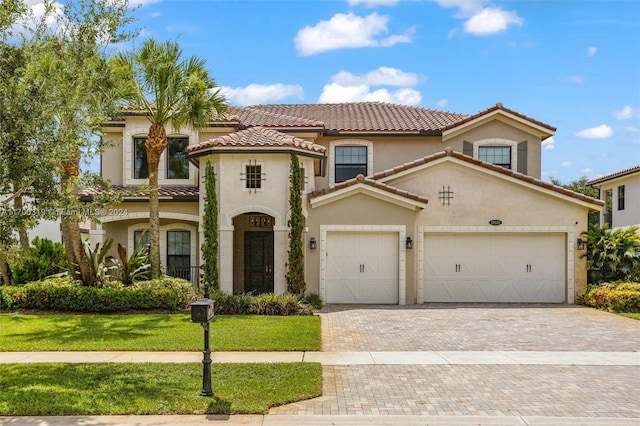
<point x="320" y="420"/>
<point x="342" y="358"/>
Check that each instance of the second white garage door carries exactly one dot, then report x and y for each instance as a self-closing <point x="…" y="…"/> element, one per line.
<point x="494" y="268"/>
<point x="362" y="267"/>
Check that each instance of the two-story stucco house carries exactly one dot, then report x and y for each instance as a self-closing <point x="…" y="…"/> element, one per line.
<point x="620" y="192"/>
<point x="402" y="205"/>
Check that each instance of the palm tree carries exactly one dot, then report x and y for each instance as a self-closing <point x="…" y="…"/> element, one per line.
<point x="168" y="89"/>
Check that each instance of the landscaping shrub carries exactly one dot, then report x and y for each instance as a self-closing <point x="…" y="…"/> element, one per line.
<point x="65" y="295"/>
<point x="613" y="255"/>
<point x="615" y="297"/>
<point x="313" y="300"/>
<point x="262" y="304"/>
<point x="44" y="258"/>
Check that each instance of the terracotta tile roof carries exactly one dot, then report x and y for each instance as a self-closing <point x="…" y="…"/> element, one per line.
<point x="351" y="116"/>
<point x="373" y="183"/>
<point x="163" y="192"/>
<point x="614" y="175"/>
<point x="493" y="108"/>
<point x="451" y="153"/>
<point x="258" y="137"/>
<point x="254" y="116"/>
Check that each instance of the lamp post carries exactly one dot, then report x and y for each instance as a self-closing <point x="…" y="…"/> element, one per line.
<point x="202" y="312"/>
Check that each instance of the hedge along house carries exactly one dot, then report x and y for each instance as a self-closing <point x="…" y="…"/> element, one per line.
<point x="402" y="205"/>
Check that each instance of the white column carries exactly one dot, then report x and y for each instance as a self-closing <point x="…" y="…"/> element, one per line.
<point x="97" y="235"/>
<point x="280" y="246"/>
<point x="226" y="258"/>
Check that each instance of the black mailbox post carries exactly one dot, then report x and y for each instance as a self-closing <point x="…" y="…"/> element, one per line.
<point x="202" y="313"/>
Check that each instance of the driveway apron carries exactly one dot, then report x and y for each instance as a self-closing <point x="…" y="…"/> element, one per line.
<point x="477" y="389"/>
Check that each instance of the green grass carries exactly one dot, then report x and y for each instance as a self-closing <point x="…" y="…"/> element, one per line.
<point x="156" y="332"/>
<point x="631" y="315"/>
<point x="95" y="389"/>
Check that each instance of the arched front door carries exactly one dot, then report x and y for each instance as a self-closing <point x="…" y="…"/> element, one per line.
<point x="258" y="261"/>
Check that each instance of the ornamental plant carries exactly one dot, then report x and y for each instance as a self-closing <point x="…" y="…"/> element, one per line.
<point x="295" y="260"/>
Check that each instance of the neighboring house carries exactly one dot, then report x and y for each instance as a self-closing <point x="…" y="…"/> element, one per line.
<point x="620" y="192"/>
<point x="403" y="205"/>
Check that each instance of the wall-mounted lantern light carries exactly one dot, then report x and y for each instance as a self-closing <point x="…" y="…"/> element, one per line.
<point x="312" y="243"/>
<point x="409" y="243"/>
<point x="580" y="244"/>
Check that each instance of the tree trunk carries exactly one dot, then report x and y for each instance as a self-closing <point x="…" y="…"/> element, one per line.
<point x="5" y="271"/>
<point x="155" y="144"/>
<point x="76" y="255"/>
<point x="18" y="205"/>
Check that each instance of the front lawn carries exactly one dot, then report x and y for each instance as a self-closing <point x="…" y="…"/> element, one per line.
<point x="156" y="332"/>
<point x="102" y="389"/>
<point x="631" y="315"/>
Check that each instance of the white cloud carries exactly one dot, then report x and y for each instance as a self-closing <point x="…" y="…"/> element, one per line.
<point x="481" y="17"/>
<point x="370" y="86"/>
<point x="567" y="164"/>
<point x="373" y="3"/>
<point x="587" y="170"/>
<point x="442" y="103"/>
<point x="549" y="143"/>
<point x="261" y="93"/>
<point x="491" y="20"/>
<point x="574" y="79"/>
<point x="626" y="113"/>
<point x="347" y="31"/>
<point x="600" y="132"/>
<point x="382" y="76"/>
<point x="337" y="93"/>
<point x="591" y="50"/>
<point x="630" y="129"/>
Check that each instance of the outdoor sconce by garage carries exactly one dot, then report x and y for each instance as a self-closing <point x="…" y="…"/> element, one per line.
<point x="202" y="312"/>
<point x="312" y="243"/>
<point x="409" y="243"/>
<point x="580" y="244"/>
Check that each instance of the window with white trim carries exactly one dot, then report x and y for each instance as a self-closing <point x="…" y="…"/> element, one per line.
<point x="179" y="253"/>
<point x="498" y="155"/>
<point x="621" y="197"/>
<point x="176" y="163"/>
<point x="350" y="161"/>
<point x="140" y="165"/>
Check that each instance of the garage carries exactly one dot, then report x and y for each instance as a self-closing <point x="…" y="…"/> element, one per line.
<point x="494" y="267"/>
<point x="362" y="267"/>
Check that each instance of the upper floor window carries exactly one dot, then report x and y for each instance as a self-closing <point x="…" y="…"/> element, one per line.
<point x="350" y="162"/>
<point x="621" y="197"/>
<point x="140" y="166"/>
<point x="253" y="176"/>
<point x="499" y="155"/>
<point x="177" y="165"/>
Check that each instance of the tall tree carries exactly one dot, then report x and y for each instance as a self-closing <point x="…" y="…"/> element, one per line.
<point x="82" y="91"/>
<point x="210" y="229"/>
<point x="168" y="90"/>
<point x="295" y="260"/>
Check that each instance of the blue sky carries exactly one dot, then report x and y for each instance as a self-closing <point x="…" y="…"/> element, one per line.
<point x="572" y="64"/>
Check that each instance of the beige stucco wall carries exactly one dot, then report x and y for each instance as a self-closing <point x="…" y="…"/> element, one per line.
<point x="479" y="197"/>
<point x="234" y="200"/>
<point x="358" y="209"/>
<point x="631" y="214"/>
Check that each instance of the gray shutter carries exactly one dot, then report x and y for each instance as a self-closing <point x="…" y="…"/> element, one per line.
<point x="522" y="157"/>
<point x="467" y="148"/>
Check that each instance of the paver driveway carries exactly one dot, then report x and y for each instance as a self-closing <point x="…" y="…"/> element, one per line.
<point x="485" y="390"/>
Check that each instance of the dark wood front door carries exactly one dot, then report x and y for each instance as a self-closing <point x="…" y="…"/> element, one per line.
<point x="258" y="262"/>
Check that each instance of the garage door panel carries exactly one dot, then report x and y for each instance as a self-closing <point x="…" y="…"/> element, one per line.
<point x="362" y="267"/>
<point x="494" y="267"/>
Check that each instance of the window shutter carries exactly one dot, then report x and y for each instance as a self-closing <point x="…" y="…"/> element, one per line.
<point x="522" y="157"/>
<point x="467" y="148"/>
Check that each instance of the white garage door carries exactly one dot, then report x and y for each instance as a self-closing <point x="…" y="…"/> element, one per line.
<point x="494" y="268"/>
<point x="362" y="267"/>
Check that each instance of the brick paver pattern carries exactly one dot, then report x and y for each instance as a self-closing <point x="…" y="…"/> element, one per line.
<point x="480" y="327"/>
<point x="475" y="390"/>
